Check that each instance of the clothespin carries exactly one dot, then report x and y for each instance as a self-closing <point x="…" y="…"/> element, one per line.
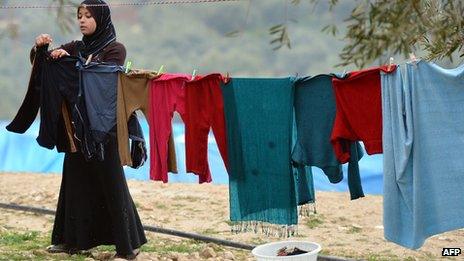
<point x="390" y="64"/>
<point x="194" y="73"/>
<point x="227" y="78"/>
<point x="128" y="66"/>
<point x="89" y="59"/>
<point x="413" y="58"/>
<point x="160" y="70"/>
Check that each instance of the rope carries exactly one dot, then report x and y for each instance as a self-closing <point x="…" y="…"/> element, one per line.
<point x="167" y="2"/>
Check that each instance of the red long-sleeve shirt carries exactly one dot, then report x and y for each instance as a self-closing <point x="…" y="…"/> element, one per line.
<point x="359" y="111"/>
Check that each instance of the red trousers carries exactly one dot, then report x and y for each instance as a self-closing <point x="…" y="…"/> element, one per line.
<point x="167" y="94"/>
<point x="204" y="110"/>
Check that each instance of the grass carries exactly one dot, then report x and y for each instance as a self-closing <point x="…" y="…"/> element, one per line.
<point x="177" y="205"/>
<point x="228" y="222"/>
<point x="160" y="206"/>
<point x="137" y="204"/>
<point x="186" y="198"/>
<point x="354" y="230"/>
<point x="167" y="246"/>
<point x="376" y="257"/>
<point x="209" y="231"/>
<point x="314" y="220"/>
<point x="29" y="245"/>
<point x="12" y="238"/>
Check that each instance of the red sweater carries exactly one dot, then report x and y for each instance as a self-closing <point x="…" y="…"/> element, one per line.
<point x="359" y="112"/>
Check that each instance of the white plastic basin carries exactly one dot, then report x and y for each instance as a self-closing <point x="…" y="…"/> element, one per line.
<point x="269" y="251"/>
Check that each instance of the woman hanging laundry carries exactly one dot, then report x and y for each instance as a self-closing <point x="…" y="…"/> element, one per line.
<point x="94" y="206"/>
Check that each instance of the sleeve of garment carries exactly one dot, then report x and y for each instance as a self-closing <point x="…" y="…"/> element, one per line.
<point x="32" y="54"/>
<point x="68" y="47"/>
<point x="404" y="128"/>
<point x="34" y="51"/>
<point x="397" y="136"/>
<point x="115" y="54"/>
<point x="122" y="128"/>
<point x="31" y="103"/>
<point x="405" y="136"/>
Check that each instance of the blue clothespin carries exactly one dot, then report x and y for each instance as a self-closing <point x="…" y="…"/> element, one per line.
<point x="128" y="66"/>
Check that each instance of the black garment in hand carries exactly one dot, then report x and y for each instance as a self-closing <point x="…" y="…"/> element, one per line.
<point x="59" y="82"/>
<point x="52" y="82"/>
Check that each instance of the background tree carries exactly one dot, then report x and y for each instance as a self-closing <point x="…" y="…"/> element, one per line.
<point x="384" y="27"/>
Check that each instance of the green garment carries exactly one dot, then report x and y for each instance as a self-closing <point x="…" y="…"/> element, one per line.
<point x="259" y="121"/>
<point x="315" y="109"/>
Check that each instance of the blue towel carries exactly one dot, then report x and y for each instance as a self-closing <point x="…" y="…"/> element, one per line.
<point x="423" y="142"/>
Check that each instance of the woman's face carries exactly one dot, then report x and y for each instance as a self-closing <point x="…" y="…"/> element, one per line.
<point x="86" y="21"/>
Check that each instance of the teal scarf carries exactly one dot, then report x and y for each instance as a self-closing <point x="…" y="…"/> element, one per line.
<point x="259" y="121"/>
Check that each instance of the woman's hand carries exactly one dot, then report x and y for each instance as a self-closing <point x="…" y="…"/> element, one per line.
<point x="43" y="39"/>
<point x="58" y="53"/>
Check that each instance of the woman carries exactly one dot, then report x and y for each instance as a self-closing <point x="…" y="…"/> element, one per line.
<point x="94" y="205"/>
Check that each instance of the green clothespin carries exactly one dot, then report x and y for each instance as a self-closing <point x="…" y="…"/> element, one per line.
<point x="160" y="70"/>
<point x="194" y="73"/>
<point x="128" y="66"/>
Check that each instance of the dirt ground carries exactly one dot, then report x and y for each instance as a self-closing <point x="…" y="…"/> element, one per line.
<point x="343" y="227"/>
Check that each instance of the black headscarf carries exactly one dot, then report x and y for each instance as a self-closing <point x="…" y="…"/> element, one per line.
<point x="104" y="33"/>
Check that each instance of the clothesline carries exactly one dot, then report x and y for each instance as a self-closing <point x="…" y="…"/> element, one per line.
<point x="314" y="121"/>
<point x="121" y="4"/>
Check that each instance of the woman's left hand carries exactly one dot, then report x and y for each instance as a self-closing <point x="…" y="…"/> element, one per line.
<point x="58" y="53"/>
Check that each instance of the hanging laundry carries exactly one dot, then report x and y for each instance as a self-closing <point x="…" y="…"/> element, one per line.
<point x="304" y="183"/>
<point x="95" y="112"/>
<point x="167" y="94"/>
<point x="304" y="189"/>
<point x="259" y="119"/>
<point x="99" y="82"/>
<point x="132" y="95"/>
<point x="359" y="111"/>
<point x="423" y="128"/>
<point x="52" y="83"/>
<point x="314" y="104"/>
<point x="204" y="110"/>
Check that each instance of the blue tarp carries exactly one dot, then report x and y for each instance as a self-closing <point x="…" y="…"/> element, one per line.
<point x="21" y="153"/>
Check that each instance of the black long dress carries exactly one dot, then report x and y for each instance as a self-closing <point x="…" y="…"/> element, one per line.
<point x="94" y="205"/>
